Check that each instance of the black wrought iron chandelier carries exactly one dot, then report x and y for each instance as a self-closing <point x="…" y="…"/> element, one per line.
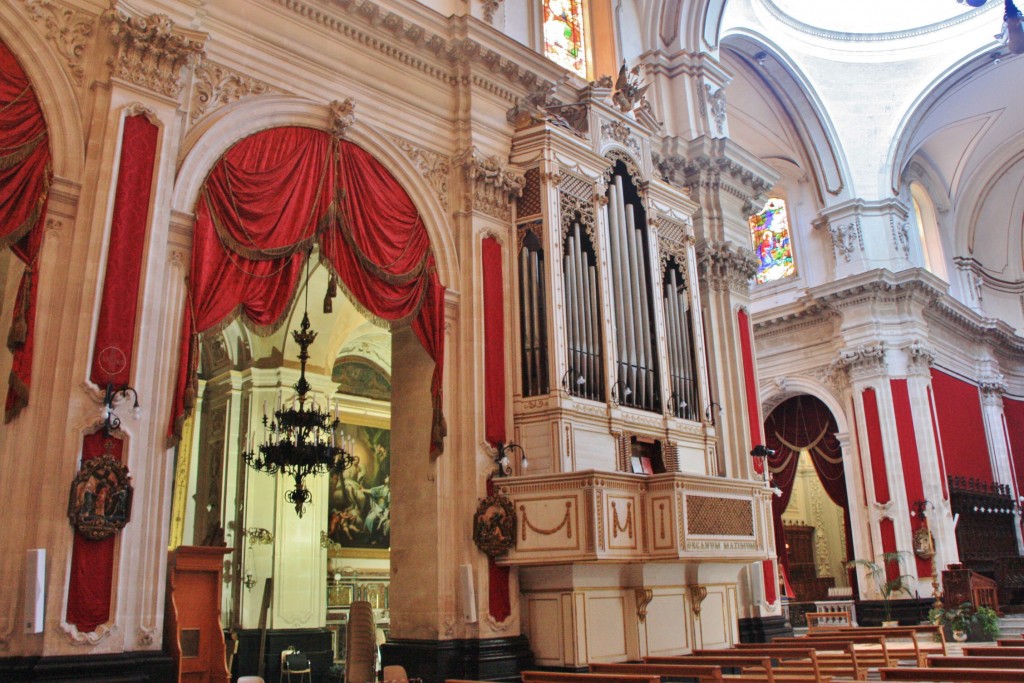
<point x="300" y="441"/>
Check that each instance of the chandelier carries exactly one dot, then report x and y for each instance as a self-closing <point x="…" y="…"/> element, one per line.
<point x="300" y="441"/>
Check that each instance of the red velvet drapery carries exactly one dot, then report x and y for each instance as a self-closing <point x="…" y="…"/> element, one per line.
<point x="25" y="178"/>
<point x="265" y="203"/>
<point x="797" y="424"/>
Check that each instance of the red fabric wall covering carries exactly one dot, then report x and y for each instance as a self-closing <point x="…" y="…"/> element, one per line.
<point x="25" y="178"/>
<point x="1013" y="412"/>
<point x="498" y="599"/>
<point x="909" y="457"/>
<point x="750" y="384"/>
<point x="938" y="444"/>
<point x="874" y="428"/>
<point x="92" y="562"/>
<point x="958" y="408"/>
<point x="887" y="530"/>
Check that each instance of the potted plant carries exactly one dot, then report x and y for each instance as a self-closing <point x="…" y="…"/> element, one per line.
<point x="886" y="587"/>
<point x="966" y="622"/>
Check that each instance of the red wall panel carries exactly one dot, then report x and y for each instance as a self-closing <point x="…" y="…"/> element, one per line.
<point x="962" y="430"/>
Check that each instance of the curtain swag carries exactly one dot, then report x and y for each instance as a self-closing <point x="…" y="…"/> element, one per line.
<point x="265" y="203"/>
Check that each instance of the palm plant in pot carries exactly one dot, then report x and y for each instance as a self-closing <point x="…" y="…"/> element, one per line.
<point x="886" y="587"/>
<point x="966" y="621"/>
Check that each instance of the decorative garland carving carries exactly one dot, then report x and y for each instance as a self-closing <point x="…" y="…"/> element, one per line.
<point x="846" y="239"/>
<point x="493" y="186"/>
<point x="151" y="51"/>
<point x="900" y="236"/>
<point x="68" y="29"/>
<point x="434" y="167"/>
<point x="564" y="524"/>
<point x="216" y="86"/>
<point x="494" y="525"/>
<point x="716" y="106"/>
<point x="628" y="526"/>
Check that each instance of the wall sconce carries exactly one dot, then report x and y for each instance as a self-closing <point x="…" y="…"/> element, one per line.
<point x="572" y="382"/>
<point x="620" y="392"/>
<point x="674" y="405"/>
<point x="255" y="536"/>
<point x="111" y="422"/>
<point x="258" y="536"/>
<point x="502" y="463"/>
<point x="710" y="412"/>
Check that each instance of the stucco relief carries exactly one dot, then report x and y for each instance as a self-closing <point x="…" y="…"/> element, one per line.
<point x="151" y="51"/>
<point x="847" y="239"/>
<point x="217" y="85"/>
<point x="492" y="185"/>
<point x="69" y="30"/>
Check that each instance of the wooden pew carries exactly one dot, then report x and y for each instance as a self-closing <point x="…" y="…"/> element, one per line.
<point x="749" y="669"/>
<point x="871" y="650"/>
<point x="833" y="658"/>
<point x="993" y="651"/>
<point x="1012" y="642"/>
<point x="560" y="677"/>
<point x="977" y="662"/>
<point x="701" y="672"/>
<point x="920" y="640"/>
<point x="918" y="673"/>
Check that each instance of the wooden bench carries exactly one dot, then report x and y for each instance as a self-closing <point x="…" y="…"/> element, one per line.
<point x="745" y="668"/>
<point x="871" y="650"/>
<point x="701" y="672"/>
<point x="833" y="659"/>
<point x="993" y="651"/>
<point x="560" y="677"/>
<point x="823" y="620"/>
<point x="923" y="639"/>
<point x="1012" y="642"/>
<point x="977" y="662"/>
<point x="918" y="673"/>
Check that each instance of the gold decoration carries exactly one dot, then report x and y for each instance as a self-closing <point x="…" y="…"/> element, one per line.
<point x="494" y="525"/>
<point x="924" y="544"/>
<point x="100" y="500"/>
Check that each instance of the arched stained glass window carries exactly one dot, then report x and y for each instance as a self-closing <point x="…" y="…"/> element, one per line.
<point x="563" y="34"/>
<point x="769" y="231"/>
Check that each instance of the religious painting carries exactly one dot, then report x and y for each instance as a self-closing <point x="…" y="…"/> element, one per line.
<point x="100" y="500"/>
<point x="359" y="514"/>
<point x="769" y="231"/>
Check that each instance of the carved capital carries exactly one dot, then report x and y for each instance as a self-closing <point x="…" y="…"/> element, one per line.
<point x="864" y="359"/>
<point x="493" y="185"/>
<point x="151" y="51"/>
<point x="726" y="267"/>
<point x="992" y="385"/>
<point x="920" y="357"/>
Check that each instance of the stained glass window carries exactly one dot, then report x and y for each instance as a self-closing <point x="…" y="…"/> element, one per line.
<point x="769" y="230"/>
<point x="563" y="34"/>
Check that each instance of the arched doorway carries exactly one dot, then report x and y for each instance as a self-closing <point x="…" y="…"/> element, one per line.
<point x="288" y="220"/>
<point x="810" y="510"/>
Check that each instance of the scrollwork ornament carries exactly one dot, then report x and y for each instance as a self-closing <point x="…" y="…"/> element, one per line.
<point x="68" y="29"/>
<point x="494" y="525"/>
<point x="217" y="86"/>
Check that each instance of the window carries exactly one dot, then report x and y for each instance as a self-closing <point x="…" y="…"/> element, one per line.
<point x="769" y="231"/>
<point x="563" y="34"/>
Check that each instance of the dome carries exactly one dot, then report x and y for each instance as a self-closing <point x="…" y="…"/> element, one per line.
<point x="871" y="16"/>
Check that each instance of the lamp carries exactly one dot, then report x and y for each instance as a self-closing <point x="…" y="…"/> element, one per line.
<point x="709" y="414"/>
<point x="111" y="422"/>
<point x="675" y="405"/>
<point x="502" y="463"/>
<point x="255" y="536"/>
<point x="572" y="382"/>
<point x="620" y="392"/>
<point x="300" y="442"/>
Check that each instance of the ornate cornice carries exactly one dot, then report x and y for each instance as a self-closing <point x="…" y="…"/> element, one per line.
<point x="217" y="85"/>
<point x="493" y="186"/>
<point x="151" y="51"/>
<point x="67" y="29"/>
<point x="724" y="266"/>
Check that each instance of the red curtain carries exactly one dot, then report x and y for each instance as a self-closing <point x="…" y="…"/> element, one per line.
<point x="265" y="203"/>
<point x="804" y="423"/>
<point x="25" y="178"/>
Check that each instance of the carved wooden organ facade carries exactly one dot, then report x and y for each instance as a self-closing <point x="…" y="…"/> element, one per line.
<point x="611" y="353"/>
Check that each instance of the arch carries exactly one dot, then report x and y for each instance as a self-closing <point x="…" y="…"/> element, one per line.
<point x="929" y="230"/>
<point x="803" y="107"/>
<point x="979" y="188"/>
<point x="685" y="25"/>
<point x="772" y="395"/>
<point x="53" y="88"/>
<point x="207" y="142"/>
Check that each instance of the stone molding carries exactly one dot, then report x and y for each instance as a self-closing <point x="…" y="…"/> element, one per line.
<point x="217" y="85"/>
<point x="68" y="29"/>
<point x="151" y="51"/>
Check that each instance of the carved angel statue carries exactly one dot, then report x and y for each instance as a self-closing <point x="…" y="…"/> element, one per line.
<point x="628" y="90"/>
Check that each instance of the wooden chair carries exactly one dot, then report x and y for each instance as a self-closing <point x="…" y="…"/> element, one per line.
<point x="294" y="663"/>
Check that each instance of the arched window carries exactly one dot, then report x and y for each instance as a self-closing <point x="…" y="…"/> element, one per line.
<point x="564" y="39"/>
<point x="928" y="233"/>
<point x="769" y="231"/>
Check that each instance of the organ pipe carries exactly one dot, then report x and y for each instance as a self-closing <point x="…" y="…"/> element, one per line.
<point x="532" y="318"/>
<point x="679" y="330"/>
<point x="582" y="325"/>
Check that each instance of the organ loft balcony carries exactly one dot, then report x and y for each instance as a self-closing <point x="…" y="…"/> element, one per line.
<point x="619" y="517"/>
